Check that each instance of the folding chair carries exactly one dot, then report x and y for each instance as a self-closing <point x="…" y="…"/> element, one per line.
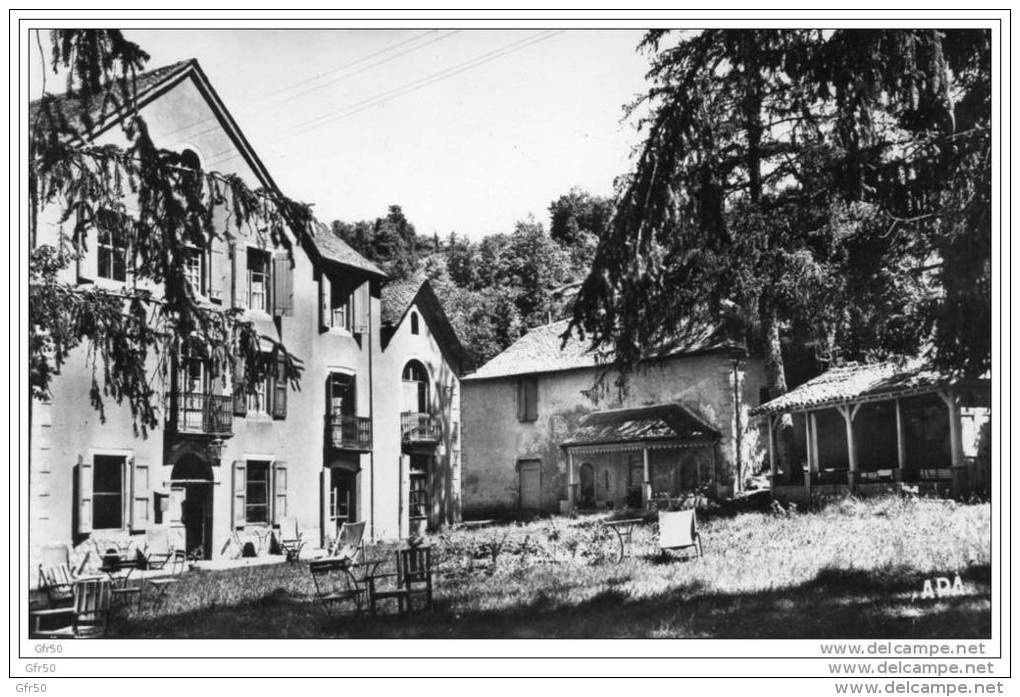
<point x="289" y="538"/>
<point x="349" y="542"/>
<point x="335" y="582"/>
<point x="90" y="612"/>
<point x="679" y="530"/>
<point x="159" y="552"/>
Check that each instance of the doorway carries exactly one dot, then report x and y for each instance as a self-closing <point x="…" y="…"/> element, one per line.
<point x="191" y="490"/>
<point x="341" y="501"/>
<point x="587" y="476"/>
<point x="531" y="484"/>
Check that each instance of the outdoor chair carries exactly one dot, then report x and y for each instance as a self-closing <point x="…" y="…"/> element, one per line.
<point x="89" y="613"/>
<point x="337" y="581"/>
<point x="413" y="578"/>
<point x="349" y="542"/>
<point x="679" y="530"/>
<point x="56" y="577"/>
<point x="289" y="538"/>
<point x="159" y="553"/>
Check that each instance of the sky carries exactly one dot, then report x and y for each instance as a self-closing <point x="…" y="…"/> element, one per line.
<point x="468" y="131"/>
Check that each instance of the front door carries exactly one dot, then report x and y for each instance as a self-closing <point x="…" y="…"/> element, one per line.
<point x="531" y="484"/>
<point x="197" y="519"/>
<point x="587" y="477"/>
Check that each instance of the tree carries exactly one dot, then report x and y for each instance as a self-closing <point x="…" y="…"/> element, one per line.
<point x="162" y="206"/>
<point x="772" y="159"/>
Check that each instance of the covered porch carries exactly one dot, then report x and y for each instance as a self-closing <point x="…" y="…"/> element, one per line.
<point x="632" y="458"/>
<point x="869" y="428"/>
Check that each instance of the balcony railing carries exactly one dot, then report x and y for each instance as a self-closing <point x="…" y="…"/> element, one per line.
<point x="419" y="428"/>
<point x="345" y="432"/>
<point x="198" y="412"/>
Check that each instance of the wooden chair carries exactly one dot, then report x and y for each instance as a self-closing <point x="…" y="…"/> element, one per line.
<point x="289" y="538"/>
<point x="161" y="555"/>
<point x="56" y="577"/>
<point x="349" y="542"/>
<point x="336" y="582"/>
<point x="90" y="612"/>
<point x="679" y="530"/>
<point x="413" y="577"/>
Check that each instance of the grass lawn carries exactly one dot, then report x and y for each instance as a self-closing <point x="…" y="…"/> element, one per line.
<point x="849" y="570"/>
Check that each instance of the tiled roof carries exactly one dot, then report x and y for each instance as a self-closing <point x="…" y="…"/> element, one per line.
<point x="541" y="351"/>
<point x="70" y="106"/>
<point x="671" y="421"/>
<point x="330" y="247"/>
<point x="856" y="382"/>
<point x="397" y="296"/>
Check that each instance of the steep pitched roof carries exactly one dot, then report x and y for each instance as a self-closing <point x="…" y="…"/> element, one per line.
<point x="541" y="351"/>
<point x="397" y="298"/>
<point x="330" y="247"/>
<point x="856" y="382"/>
<point x="657" y="422"/>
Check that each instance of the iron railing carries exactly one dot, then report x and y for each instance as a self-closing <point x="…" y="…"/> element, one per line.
<point x="199" y="412"/>
<point x="346" y="432"/>
<point x="420" y="428"/>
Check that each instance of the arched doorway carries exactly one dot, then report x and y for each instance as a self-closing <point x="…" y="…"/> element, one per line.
<point x="191" y="504"/>
<point x="587" y="476"/>
<point x="415" y="396"/>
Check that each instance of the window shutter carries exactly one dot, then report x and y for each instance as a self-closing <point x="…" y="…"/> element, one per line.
<point x="362" y="308"/>
<point x="280" y="390"/>
<point x="239" y="499"/>
<point x="240" y="396"/>
<point x="532" y="397"/>
<point x="219" y="270"/>
<point x="84" y="496"/>
<point x="175" y="516"/>
<point x="239" y="275"/>
<point x="328" y="530"/>
<point x="88" y="262"/>
<point x="141" y="507"/>
<point x="283" y="285"/>
<point x="521" y="402"/>
<point x="325" y="303"/>
<point x="405" y="495"/>
<point x="279" y="491"/>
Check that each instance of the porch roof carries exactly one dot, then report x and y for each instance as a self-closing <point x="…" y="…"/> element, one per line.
<point x="861" y="383"/>
<point x="658" y="422"/>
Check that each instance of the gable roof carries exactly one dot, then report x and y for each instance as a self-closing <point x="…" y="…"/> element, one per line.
<point x="329" y="247"/>
<point x="860" y="382"/>
<point x="396" y="299"/>
<point x="656" y="422"/>
<point x="541" y="350"/>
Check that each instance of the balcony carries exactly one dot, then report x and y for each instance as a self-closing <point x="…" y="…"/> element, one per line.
<point x="423" y="429"/>
<point x="345" y="432"/>
<point x="198" y="412"/>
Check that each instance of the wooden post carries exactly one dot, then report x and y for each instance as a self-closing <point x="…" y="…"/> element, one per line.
<point x="570" y="478"/>
<point x="811" y="467"/>
<point x="773" y="465"/>
<point x="814" y="442"/>
<point x="851" y="450"/>
<point x="646" y="489"/>
<point x="955" y="440"/>
<point x="901" y="446"/>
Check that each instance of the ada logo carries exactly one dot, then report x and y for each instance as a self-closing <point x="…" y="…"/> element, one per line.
<point x="941" y="588"/>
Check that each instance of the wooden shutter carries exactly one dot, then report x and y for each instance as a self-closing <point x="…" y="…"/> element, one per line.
<point x="325" y="303"/>
<point x="238" y="494"/>
<point x="141" y="496"/>
<point x="405" y="500"/>
<point x="283" y="285"/>
<point x="240" y="394"/>
<point x="521" y="403"/>
<point x="279" y="385"/>
<point x="175" y="515"/>
<point x="88" y="262"/>
<point x="279" y="491"/>
<point x="530" y="399"/>
<point x="239" y="275"/>
<point x="219" y="270"/>
<point x="328" y="530"/>
<point x="84" y="495"/>
<point x="362" y="308"/>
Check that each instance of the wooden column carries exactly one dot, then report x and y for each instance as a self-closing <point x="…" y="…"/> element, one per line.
<point x="901" y="446"/>
<point x="772" y="452"/>
<point x="849" y="413"/>
<point x="955" y="440"/>
<point x="814" y="441"/>
<point x="570" y="478"/>
<point x="811" y="467"/>
<point x="646" y="488"/>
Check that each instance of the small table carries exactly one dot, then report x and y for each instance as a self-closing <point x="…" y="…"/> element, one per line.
<point x="624" y="530"/>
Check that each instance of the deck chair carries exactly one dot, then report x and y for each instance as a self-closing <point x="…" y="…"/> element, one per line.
<point x="336" y="582"/>
<point x="349" y="542"/>
<point x="413" y="578"/>
<point x="289" y="538"/>
<point x="89" y="613"/>
<point x="56" y="576"/>
<point x="679" y="530"/>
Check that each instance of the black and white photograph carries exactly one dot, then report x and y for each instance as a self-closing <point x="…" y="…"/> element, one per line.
<point x="682" y="328"/>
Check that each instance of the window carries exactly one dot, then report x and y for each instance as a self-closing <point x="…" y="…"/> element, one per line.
<point x="256" y="492"/>
<point x="418" y="494"/>
<point x="340" y="395"/>
<point x="527" y="399"/>
<point x="258" y="402"/>
<point x="416" y="388"/>
<point x="108" y="492"/>
<point x="112" y="251"/>
<point x="340" y="307"/>
<point x="191" y="393"/>
<point x="414" y="322"/>
<point x="194" y="270"/>
<point x="258" y="280"/>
